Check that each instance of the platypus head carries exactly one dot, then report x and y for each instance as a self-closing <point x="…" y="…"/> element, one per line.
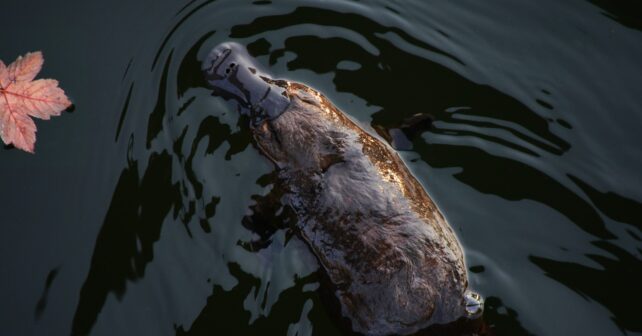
<point x="234" y="75"/>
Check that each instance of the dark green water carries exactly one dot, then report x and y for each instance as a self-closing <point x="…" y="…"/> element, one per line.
<point x="135" y="215"/>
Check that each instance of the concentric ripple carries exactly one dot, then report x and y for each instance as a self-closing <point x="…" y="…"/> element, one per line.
<point x="195" y="230"/>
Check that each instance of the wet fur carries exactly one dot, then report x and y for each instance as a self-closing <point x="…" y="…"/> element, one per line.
<point x="395" y="262"/>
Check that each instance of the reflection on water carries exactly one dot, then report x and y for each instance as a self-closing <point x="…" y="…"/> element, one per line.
<point x="224" y="312"/>
<point x="624" y="11"/>
<point x="617" y="207"/>
<point x="132" y="226"/>
<point x="477" y="165"/>
<point x="42" y="302"/>
<point x="613" y="284"/>
<point x="406" y="84"/>
<point x="191" y="163"/>
<point x="501" y="319"/>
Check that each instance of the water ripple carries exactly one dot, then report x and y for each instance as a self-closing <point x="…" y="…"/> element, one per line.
<point x="191" y="163"/>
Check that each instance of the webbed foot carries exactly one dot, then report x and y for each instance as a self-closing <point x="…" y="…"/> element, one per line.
<point x="474" y="304"/>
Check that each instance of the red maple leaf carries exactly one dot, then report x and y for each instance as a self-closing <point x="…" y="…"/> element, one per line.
<point x="22" y="97"/>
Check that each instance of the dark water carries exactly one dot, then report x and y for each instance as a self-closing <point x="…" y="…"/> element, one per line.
<point x="142" y="212"/>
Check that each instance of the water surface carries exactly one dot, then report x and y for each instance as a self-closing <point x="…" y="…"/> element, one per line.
<point x="143" y="211"/>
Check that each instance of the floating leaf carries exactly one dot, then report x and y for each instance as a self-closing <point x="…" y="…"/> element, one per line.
<point x="22" y="97"/>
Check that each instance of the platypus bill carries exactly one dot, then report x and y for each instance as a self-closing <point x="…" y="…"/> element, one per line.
<point x="395" y="264"/>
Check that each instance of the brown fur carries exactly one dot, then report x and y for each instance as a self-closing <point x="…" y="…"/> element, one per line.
<point x="396" y="263"/>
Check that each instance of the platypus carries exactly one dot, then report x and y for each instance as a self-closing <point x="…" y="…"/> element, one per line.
<point x="395" y="264"/>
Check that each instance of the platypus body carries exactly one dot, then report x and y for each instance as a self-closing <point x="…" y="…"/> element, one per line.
<point x="394" y="261"/>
